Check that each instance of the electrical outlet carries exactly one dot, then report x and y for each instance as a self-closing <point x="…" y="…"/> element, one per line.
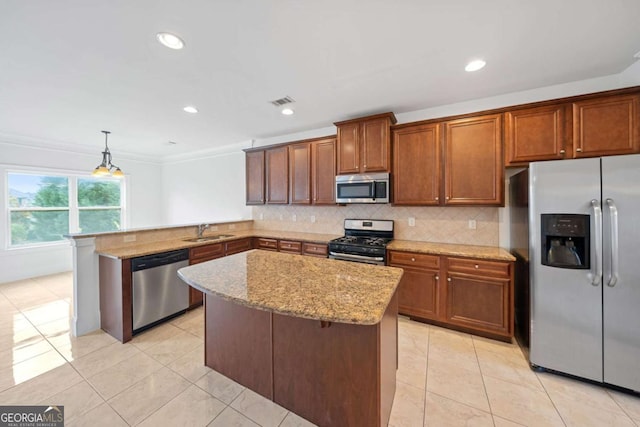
<point x="294" y="218"/>
<point x="281" y="217"/>
<point x="472" y="224"/>
<point x="130" y="238"/>
<point x="261" y="216"/>
<point x="231" y="227"/>
<point x="412" y="221"/>
<point x="313" y="218"/>
<point x="213" y="228"/>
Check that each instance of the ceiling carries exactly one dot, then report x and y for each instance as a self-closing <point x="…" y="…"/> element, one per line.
<point x="69" y="69"/>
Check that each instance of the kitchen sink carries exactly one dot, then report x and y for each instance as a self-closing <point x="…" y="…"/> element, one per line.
<point x="208" y="238"/>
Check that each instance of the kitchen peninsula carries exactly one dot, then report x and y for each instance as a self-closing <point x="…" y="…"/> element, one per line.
<point x="316" y="336"/>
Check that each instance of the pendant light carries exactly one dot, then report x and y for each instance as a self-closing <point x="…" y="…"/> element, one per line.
<point x="105" y="168"/>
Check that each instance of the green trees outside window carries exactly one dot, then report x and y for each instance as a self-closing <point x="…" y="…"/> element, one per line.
<point x="40" y="210"/>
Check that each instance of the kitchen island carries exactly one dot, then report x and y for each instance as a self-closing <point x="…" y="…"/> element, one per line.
<point x="316" y="336"/>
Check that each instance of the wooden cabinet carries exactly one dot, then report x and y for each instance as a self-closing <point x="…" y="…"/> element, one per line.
<point x="300" y="173"/>
<point x="473" y="295"/>
<point x="290" y="246"/>
<point x="416" y="165"/>
<point x="363" y="145"/>
<point x="535" y="134"/>
<point x="277" y="175"/>
<point x="419" y="289"/>
<point x="236" y="246"/>
<point x="315" y="249"/>
<point x="480" y="295"/>
<point x="254" y="164"/>
<point x="312" y="172"/>
<point x="201" y="254"/>
<point x="266" y="244"/>
<point x="606" y="126"/>
<point x="473" y="162"/>
<point x="323" y="171"/>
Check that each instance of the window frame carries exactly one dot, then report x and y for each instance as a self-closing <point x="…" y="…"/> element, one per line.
<point x="72" y="207"/>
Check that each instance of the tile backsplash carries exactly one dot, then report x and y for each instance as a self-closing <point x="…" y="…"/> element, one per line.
<point x="432" y="224"/>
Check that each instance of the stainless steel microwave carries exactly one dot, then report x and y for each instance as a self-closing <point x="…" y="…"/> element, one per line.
<point x="371" y="188"/>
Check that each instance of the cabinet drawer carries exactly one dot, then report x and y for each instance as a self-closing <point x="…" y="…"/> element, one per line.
<point x="290" y="246"/>
<point x="413" y="259"/>
<point x="314" y="249"/>
<point x="206" y="252"/>
<point x="479" y="267"/>
<point x="269" y="244"/>
<point x="235" y="246"/>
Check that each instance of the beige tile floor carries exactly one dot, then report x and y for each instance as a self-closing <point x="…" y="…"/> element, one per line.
<point x="445" y="378"/>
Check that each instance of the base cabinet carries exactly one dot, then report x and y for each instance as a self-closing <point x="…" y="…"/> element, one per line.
<point x="473" y="295"/>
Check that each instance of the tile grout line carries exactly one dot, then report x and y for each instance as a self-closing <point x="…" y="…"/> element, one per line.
<point x="484" y="385"/>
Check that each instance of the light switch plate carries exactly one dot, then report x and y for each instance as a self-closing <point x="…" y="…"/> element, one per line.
<point x="294" y="218"/>
<point x="472" y="224"/>
<point x="412" y="221"/>
<point x="313" y="218"/>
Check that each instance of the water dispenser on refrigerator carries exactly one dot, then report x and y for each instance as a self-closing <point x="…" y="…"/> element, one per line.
<point x="565" y="240"/>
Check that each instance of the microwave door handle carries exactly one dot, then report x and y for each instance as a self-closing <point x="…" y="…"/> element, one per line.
<point x="373" y="190"/>
<point x="597" y="216"/>
<point x="613" y="224"/>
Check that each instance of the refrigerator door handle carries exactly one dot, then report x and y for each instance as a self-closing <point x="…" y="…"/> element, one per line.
<point x="613" y="224"/>
<point x="597" y="216"/>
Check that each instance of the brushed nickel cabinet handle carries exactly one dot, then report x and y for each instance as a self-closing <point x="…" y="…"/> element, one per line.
<point x="413" y="259"/>
<point x="448" y="279"/>
<point x="476" y="266"/>
<point x="437" y="277"/>
<point x="562" y="151"/>
<point x="579" y="150"/>
<point x="437" y="198"/>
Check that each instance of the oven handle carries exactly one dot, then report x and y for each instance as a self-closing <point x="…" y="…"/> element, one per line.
<point x="351" y="257"/>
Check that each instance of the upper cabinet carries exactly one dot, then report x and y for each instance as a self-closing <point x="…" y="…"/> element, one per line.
<point x="606" y="126"/>
<point x="277" y="175"/>
<point x="254" y="164"/>
<point x="363" y="145"/>
<point x="312" y="172"/>
<point x="534" y="134"/>
<point x="300" y="173"/>
<point x="416" y="165"/>
<point x="473" y="161"/>
<point x="323" y="171"/>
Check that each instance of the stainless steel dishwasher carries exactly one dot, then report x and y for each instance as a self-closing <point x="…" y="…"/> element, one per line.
<point x="158" y="293"/>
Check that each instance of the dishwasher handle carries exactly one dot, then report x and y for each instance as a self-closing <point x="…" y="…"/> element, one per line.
<point x="157" y="260"/>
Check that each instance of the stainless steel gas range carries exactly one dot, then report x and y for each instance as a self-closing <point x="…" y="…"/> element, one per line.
<point x="365" y="240"/>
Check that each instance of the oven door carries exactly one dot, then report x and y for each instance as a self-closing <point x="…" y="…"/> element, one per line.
<point x="356" y="258"/>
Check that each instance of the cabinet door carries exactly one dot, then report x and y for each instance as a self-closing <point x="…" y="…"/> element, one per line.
<point x="323" y="172"/>
<point x="606" y="126"/>
<point x="277" y="173"/>
<point x="480" y="303"/>
<point x="418" y="293"/>
<point x="375" y="146"/>
<point x="416" y="165"/>
<point x="255" y="177"/>
<point x="473" y="162"/>
<point x="348" y="148"/>
<point x="535" y="134"/>
<point x="300" y="173"/>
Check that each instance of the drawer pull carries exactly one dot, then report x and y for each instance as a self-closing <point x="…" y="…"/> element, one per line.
<point x="413" y="259"/>
<point x="437" y="277"/>
<point x="579" y="150"/>
<point x="477" y="266"/>
<point x="448" y="279"/>
<point x="562" y="151"/>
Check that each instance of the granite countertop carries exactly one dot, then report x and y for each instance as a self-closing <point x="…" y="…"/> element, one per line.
<point x="470" y="251"/>
<point x="142" y="249"/>
<point x="297" y="285"/>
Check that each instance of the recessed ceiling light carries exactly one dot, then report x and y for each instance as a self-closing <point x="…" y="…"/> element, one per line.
<point x="170" y="40"/>
<point x="287" y="111"/>
<point x="475" y="65"/>
<point x="190" y="109"/>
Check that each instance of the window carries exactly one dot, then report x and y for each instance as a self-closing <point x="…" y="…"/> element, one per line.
<point x="43" y="208"/>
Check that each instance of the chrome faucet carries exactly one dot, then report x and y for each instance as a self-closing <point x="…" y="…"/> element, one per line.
<point x="201" y="229"/>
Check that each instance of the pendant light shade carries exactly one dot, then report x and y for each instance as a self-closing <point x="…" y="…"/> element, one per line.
<point x="106" y="168"/>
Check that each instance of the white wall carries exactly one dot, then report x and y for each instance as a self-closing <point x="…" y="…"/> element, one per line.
<point x="209" y="188"/>
<point x="143" y="192"/>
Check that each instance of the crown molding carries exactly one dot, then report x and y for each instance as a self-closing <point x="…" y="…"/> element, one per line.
<point x="45" y="144"/>
<point x="208" y="153"/>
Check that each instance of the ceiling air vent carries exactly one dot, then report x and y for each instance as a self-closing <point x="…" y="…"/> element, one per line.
<point x="283" y="101"/>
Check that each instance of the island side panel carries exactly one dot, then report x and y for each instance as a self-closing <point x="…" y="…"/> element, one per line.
<point x="388" y="342"/>
<point x="115" y="297"/>
<point x="238" y="344"/>
<point x="332" y="375"/>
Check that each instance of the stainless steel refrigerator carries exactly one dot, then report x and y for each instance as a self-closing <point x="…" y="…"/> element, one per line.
<point x="584" y="263"/>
